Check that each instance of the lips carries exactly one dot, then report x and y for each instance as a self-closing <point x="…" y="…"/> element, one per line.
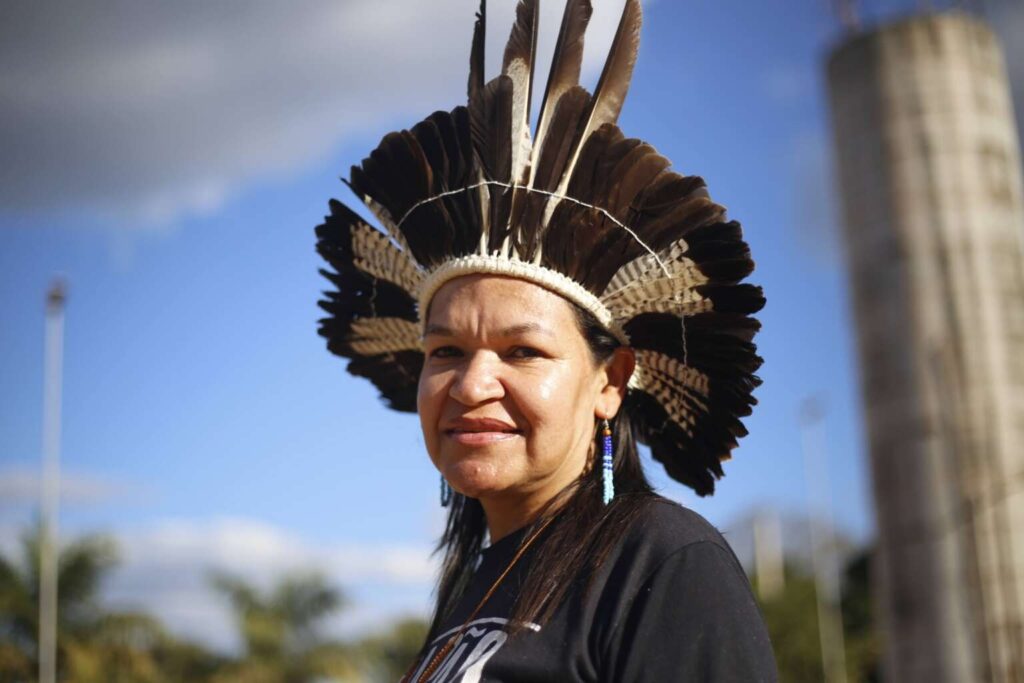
<point x="480" y="430"/>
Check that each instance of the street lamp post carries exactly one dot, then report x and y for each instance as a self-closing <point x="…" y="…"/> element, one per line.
<point x="48" y="545"/>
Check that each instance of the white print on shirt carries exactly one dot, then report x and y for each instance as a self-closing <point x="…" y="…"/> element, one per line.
<point x="465" y="663"/>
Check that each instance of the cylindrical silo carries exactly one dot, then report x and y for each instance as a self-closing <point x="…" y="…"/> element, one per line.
<point x="929" y="171"/>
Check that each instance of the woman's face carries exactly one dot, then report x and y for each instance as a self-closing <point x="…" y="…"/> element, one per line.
<point x="509" y="390"/>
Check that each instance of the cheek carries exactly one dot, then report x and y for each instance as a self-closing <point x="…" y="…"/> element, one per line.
<point x="430" y="395"/>
<point x="552" y="401"/>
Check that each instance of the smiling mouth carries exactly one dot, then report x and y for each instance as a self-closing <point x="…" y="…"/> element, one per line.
<point x="477" y="437"/>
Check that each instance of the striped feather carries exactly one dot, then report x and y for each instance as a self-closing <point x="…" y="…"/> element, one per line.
<point x="381" y="214"/>
<point x="378" y="257"/>
<point x="663" y="296"/>
<point x="643" y="267"/>
<point x="374" y="336"/>
<point x="662" y="369"/>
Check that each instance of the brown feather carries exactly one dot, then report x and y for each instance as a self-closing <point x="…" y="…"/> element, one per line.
<point x="670" y="208"/>
<point x="470" y="174"/>
<point x="563" y="134"/>
<point x="550" y="163"/>
<point x="428" y="230"/>
<point x="635" y="172"/>
<point x="613" y="84"/>
<point x="438" y="137"/>
<point x="476" y="53"/>
<point x="636" y="167"/>
<point x="522" y="43"/>
<point x="490" y="116"/>
<point x="428" y="135"/>
<point x="518" y="65"/>
<point x="566" y="63"/>
<point x="573" y="229"/>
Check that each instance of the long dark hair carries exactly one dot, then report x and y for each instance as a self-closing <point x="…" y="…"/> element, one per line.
<point x="584" y="529"/>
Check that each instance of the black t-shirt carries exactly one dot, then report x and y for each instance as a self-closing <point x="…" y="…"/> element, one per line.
<point x="671" y="603"/>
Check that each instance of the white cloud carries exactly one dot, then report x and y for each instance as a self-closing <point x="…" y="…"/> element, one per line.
<point x="143" y="111"/>
<point x="165" y="570"/>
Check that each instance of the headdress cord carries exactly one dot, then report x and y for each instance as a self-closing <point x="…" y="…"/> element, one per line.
<point x="517" y="186"/>
<point x="602" y="211"/>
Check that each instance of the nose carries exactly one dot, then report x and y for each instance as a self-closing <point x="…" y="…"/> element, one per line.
<point x="477" y="381"/>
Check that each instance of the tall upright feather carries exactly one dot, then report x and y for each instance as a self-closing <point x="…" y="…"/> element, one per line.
<point x="566" y="63"/>
<point x="518" y="66"/>
<point x="611" y="88"/>
<point x="476" y="53"/>
<point x="490" y="119"/>
<point x="548" y="165"/>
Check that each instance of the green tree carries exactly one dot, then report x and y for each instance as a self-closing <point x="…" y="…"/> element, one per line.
<point x="94" y="645"/>
<point x="279" y="631"/>
<point x="387" y="656"/>
<point x="80" y="569"/>
<point x="792" y="621"/>
<point x="863" y="642"/>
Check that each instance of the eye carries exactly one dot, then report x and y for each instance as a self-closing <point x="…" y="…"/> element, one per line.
<point x="524" y="352"/>
<point x="445" y="352"/>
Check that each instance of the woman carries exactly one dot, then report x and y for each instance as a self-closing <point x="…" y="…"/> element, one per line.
<point x="541" y="306"/>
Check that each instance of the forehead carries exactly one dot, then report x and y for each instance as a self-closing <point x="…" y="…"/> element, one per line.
<point x="494" y="299"/>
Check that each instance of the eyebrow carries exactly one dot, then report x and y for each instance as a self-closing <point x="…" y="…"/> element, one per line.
<point x="510" y="331"/>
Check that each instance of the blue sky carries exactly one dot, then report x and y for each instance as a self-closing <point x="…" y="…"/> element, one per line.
<point x="171" y="164"/>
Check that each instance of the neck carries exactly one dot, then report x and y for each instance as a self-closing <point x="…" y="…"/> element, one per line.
<point x="504" y="519"/>
<point x="506" y="516"/>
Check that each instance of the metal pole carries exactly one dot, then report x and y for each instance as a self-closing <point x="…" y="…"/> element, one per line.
<point x="771" y="577"/>
<point x="48" y="541"/>
<point x="823" y="550"/>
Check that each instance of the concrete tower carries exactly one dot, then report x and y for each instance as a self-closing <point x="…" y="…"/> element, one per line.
<point x="930" y="175"/>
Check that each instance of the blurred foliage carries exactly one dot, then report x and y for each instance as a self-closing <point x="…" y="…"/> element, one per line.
<point x="792" y="620"/>
<point x="278" y="629"/>
<point x="863" y="644"/>
<point x="389" y="654"/>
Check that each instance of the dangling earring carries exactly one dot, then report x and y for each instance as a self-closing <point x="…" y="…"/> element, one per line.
<point x="446" y="493"/>
<point x="607" y="474"/>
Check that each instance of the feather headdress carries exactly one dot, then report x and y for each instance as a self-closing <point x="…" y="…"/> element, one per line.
<point x="575" y="207"/>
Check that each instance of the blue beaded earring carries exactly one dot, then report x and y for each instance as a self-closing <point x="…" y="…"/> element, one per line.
<point x="446" y="493"/>
<point x="606" y="462"/>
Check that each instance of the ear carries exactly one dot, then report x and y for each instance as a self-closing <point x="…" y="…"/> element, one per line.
<point x="615" y="380"/>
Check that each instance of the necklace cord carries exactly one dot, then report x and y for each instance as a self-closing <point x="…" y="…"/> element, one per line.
<point x="449" y="645"/>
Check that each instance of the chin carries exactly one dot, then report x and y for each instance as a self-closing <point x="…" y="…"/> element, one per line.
<point x="475" y="478"/>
